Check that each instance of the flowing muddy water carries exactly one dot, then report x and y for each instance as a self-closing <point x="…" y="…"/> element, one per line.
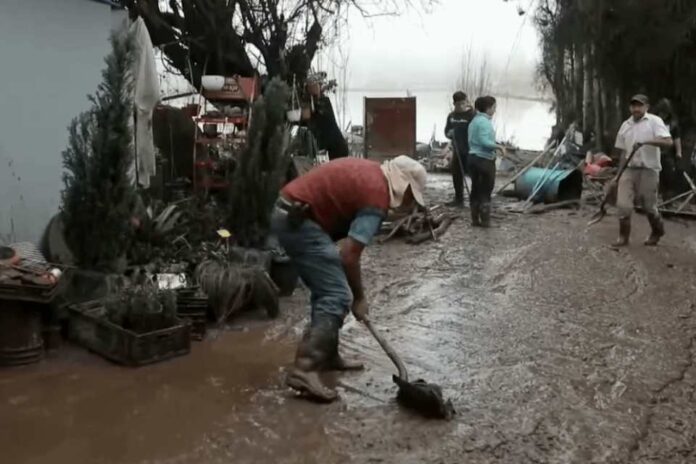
<point x="553" y="348"/>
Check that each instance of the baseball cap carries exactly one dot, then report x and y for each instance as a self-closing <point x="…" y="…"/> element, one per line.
<point x="403" y="172"/>
<point x="640" y="98"/>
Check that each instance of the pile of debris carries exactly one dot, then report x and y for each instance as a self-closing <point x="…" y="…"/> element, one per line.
<point x="681" y="205"/>
<point x="420" y="226"/>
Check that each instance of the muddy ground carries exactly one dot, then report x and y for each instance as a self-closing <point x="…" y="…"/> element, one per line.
<point x="553" y="348"/>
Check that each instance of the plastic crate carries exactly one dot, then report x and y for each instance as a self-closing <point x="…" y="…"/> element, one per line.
<point x="193" y="305"/>
<point x="90" y="328"/>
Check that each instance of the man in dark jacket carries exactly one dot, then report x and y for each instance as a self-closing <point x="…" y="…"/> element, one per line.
<point x="456" y="130"/>
<point x="322" y="121"/>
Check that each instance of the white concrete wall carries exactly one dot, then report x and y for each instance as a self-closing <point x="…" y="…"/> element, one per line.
<point x="51" y="56"/>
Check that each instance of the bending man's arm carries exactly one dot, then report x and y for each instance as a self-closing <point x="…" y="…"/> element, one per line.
<point x="363" y="228"/>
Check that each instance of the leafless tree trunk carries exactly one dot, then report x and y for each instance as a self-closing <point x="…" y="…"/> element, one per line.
<point x="474" y="76"/>
<point x="588" y="89"/>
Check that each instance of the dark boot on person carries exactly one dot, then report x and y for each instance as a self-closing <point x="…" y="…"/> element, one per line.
<point x="338" y="362"/>
<point x="316" y="349"/>
<point x="475" y="215"/>
<point x="485" y="215"/>
<point x="624" y="233"/>
<point x="657" y="230"/>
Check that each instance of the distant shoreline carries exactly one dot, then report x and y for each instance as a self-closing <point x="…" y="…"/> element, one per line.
<point x="539" y="99"/>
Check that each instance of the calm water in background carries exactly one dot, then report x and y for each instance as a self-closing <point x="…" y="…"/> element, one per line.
<point x="525" y="123"/>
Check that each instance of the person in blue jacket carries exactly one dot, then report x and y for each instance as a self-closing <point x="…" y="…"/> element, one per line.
<point x="481" y="162"/>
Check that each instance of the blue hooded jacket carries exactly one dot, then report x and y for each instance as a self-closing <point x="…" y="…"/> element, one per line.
<point x="482" y="137"/>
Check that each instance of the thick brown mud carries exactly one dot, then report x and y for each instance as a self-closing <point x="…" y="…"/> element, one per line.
<point x="553" y="347"/>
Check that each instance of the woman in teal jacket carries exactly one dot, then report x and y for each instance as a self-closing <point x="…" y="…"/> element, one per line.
<point x="481" y="162"/>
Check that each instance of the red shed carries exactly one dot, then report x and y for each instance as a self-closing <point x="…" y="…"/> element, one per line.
<point x="390" y="127"/>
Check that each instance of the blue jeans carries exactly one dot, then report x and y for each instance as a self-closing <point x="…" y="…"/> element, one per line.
<point x="319" y="265"/>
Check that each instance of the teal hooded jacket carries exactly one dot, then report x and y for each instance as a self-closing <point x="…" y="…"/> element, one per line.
<point x="482" y="137"/>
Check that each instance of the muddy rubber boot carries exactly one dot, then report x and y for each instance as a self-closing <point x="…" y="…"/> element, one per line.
<point x="485" y="215"/>
<point x="313" y="353"/>
<point x="338" y="363"/>
<point x="657" y="230"/>
<point x="475" y="215"/>
<point x="456" y="203"/>
<point x="624" y="233"/>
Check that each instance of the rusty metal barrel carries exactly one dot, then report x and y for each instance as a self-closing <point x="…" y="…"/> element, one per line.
<point x="21" y="341"/>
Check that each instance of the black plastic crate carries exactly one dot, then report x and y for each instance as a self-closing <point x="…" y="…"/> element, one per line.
<point x="198" y="319"/>
<point x="193" y="305"/>
<point x="90" y="328"/>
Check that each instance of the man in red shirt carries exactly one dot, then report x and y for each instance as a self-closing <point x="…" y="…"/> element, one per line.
<point x="345" y="199"/>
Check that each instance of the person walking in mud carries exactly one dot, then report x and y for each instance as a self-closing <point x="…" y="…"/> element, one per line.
<point x="481" y="162"/>
<point x="346" y="200"/>
<point x="456" y="129"/>
<point x="646" y="134"/>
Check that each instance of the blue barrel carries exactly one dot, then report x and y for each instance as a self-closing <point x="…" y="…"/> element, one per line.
<point x="557" y="185"/>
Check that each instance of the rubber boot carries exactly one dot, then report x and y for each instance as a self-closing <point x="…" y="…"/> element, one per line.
<point x="624" y="233"/>
<point x="657" y="230"/>
<point x="337" y="362"/>
<point x="485" y="215"/>
<point x="316" y="348"/>
<point x="475" y="215"/>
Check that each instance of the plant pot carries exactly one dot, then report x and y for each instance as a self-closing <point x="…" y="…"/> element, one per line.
<point x="294" y="115"/>
<point x="213" y="83"/>
<point x="284" y="275"/>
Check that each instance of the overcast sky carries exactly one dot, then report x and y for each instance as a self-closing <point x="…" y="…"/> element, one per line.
<point x="421" y="50"/>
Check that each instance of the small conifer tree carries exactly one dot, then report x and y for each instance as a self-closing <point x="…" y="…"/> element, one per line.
<point x="99" y="196"/>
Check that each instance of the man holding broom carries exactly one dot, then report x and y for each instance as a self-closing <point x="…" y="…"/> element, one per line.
<point x="456" y="129"/>
<point x="646" y="134"/>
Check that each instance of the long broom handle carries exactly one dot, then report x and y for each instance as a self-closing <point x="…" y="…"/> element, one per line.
<point x="461" y="166"/>
<point x="403" y="374"/>
<point x="619" y="174"/>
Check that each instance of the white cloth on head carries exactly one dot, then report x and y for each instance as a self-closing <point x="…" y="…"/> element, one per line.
<point x="401" y="173"/>
<point x="145" y="98"/>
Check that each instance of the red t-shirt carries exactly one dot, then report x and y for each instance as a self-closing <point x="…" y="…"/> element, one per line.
<point x="338" y="190"/>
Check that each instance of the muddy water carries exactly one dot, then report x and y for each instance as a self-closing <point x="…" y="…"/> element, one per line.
<point x="553" y="348"/>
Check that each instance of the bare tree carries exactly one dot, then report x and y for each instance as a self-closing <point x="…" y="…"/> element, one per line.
<point x="238" y="36"/>
<point x="474" y="75"/>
